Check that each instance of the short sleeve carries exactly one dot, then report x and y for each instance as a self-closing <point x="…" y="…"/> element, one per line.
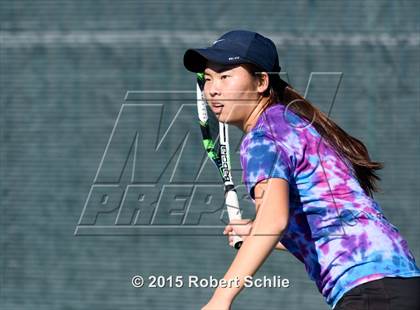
<point x="263" y="158"/>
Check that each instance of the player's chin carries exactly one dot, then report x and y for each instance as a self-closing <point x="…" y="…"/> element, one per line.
<point x="221" y="117"/>
<point x="224" y="116"/>
<point x="218" y="115"/>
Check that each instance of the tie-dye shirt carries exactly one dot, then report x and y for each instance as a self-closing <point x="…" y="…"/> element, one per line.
<point x="335" y="228"/>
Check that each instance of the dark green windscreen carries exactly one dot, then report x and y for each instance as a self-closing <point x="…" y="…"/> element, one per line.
<point x="72" y="82"/>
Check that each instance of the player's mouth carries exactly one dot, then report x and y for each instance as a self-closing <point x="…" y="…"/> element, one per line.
<point x="217" y="107"/>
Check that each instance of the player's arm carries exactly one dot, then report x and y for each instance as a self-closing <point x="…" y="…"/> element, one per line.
<point x="243" y="228"/>
<point x="280" y="247"/>
<point x="272" y="201"/>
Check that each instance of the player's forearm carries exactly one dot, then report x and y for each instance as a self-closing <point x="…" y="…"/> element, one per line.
<point x="268" y="227"/>
<point x="280" y="247"/>
<point x="250" y="257"/>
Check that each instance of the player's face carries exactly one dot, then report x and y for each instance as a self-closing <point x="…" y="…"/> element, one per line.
<point x="231" y="92"/>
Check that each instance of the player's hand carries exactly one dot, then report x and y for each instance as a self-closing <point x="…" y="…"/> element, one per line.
<point x="241" y="228"/>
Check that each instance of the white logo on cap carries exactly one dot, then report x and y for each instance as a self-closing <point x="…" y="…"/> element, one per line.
<point x="234" y="58"/>
<point x="217" y="41"/>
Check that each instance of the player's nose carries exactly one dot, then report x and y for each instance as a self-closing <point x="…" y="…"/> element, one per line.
<point x="214" y="89"/>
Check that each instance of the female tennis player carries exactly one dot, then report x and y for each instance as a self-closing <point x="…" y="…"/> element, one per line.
<point x="312" y="184"/>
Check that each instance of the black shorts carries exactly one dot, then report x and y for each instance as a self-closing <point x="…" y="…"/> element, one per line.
<point x="383" y="294"/>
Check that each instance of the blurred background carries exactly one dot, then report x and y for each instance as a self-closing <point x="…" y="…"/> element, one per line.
<point x="68" y="68"/>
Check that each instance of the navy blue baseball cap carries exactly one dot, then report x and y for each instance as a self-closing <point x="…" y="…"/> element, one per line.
<point x="235" y="47"/>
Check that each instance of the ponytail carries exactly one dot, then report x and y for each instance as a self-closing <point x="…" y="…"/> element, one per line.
<point x="346" y="145"/>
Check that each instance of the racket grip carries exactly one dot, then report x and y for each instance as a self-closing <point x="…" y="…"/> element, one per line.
<point x="237" y="242"/>
<point x="232" y="205"/>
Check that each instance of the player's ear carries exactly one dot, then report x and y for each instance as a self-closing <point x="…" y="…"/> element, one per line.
<point x="263" y="81"/>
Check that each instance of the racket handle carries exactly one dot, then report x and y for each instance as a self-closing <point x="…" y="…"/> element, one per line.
<point x="237" y="242"/>
<point x="234" y="213"/>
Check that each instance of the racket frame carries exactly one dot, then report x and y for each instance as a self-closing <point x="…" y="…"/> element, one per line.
<point x="220" y="157"/>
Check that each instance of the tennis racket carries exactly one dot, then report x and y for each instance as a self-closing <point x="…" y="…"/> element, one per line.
<point x="219" y="155"/>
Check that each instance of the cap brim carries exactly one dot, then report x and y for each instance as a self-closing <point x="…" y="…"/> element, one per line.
<point x="195" y="59"/>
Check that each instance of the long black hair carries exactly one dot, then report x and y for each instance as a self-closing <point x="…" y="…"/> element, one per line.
<point x="346" y="145"/>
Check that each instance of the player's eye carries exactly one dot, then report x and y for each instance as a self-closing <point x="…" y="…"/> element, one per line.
<point x="224" y="76"/>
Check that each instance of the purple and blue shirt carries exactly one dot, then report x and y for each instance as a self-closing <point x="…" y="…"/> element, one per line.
<point x="336" y="229"/>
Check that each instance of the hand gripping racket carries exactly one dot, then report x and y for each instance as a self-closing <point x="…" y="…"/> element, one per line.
<point x="220" y="156"/>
